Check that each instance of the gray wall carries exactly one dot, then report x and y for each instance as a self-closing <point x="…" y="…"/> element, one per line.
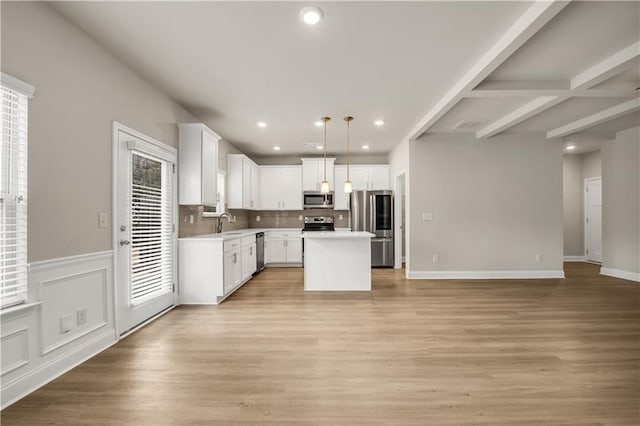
<point x="496" y="203"/>
<point x="621" y="202"/>
<point x="573" y="207"/>
<point x="592" y="164"/>
<point x="80" y="90"/>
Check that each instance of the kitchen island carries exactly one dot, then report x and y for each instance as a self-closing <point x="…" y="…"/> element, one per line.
<point x="337" y="261"/>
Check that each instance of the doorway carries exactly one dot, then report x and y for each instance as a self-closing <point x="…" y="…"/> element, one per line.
<point x="400" y="221"/>
<point x="593" y="219"/>
<point x="144" y="227"/>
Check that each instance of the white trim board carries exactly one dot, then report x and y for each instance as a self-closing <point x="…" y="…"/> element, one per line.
<point x="483" y="275"/>
<point x="574" y="258"/>
<point x="618" y="273"/>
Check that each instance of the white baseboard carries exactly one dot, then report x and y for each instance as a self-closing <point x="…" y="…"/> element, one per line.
<point x="575" y="259"/>
<point x="11" y="392"/>
<point x="482" y="275"/>
<point x="618" y="273"/>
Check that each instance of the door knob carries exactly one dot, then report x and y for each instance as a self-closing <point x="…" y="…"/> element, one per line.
<point x="124" y="242"/>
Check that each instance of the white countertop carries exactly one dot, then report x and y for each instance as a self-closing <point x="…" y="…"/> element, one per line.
<point x="337" y="234"/>
<point x="239" y="233"/>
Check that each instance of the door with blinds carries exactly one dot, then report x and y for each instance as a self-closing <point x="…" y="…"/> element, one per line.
<point x="145" y="236"/>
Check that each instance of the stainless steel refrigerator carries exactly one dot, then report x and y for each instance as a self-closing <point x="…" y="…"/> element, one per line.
<point x="372" y="211"/>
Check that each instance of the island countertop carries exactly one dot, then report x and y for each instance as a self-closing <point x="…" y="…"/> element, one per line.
<point x="336" y="234"/>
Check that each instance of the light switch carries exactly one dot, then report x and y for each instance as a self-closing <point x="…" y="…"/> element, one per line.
<point x="102" y="220"/>
<point x="66" y="322"/>
<point x="427" y="216"/>
<point x="81" y="316"/>
<point x="300" y="217"/>
<point x="257" y="218"/>
<point x="340" y="217"/>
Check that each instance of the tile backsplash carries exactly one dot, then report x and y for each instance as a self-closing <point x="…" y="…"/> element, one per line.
<point x="249" y="219"/>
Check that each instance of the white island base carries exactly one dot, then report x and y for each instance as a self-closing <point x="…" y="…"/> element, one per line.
<point x="337" y="261"/>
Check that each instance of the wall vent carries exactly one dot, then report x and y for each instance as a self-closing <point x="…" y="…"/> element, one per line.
<point x="467" y="124"/>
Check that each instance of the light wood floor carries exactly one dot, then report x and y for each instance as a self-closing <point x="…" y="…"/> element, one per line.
<point x="503" y="352"/>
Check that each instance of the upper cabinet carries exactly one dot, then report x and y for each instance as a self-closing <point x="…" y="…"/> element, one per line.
<point x="243" y="182"/>
<point x="281" y="187"/>
<point x="198" y="165"/>
<point x="313" y="173"/>
<point x="369" y="177"/>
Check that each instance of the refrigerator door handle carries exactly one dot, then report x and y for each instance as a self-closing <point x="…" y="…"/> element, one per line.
<point x="372" y="213"/>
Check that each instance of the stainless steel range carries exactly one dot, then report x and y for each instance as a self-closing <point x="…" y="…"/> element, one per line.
<point x="318" y="223"/>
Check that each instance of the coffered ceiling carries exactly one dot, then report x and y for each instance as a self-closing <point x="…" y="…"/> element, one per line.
<point x="553" y="68"/>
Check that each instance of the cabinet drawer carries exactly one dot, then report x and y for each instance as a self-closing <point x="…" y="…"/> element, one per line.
<point x="285" y="234"/>
<point x="231" y="245"/>
<point x="248" y="240"/>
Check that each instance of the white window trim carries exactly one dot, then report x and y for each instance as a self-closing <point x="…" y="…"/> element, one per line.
<point x="26" y="90"/>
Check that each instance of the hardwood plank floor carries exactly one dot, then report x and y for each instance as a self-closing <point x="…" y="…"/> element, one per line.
<point x="419" y="352"/>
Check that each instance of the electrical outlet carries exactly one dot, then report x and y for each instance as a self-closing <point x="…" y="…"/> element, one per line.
<point x="257" y="218"/>
<point x="538" y="258"/>
<point x="66" y="322"/>
<point x="81" y="316"/>
<point x="300" y="217"/>
<point x="190" y="218"/>
<point x="340" y="217"/>
<point x="436" y="258"/>
<point x="102" y="220"/>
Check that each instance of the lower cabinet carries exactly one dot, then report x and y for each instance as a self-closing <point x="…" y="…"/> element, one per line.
<point x="248" y="260"/>
<point x="232" y="269"/>
<point x="284" y="247"/>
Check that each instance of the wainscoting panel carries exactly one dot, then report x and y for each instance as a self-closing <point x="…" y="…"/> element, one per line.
<point x="71" y="320"/>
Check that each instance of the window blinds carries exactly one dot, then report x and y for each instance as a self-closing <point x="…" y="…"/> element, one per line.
<point x="13" y="198"/>
<point x="151" y="228"/>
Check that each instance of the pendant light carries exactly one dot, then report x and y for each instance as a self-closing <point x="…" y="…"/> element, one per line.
<point x="324" y="185"/>
<point x="347" y="183"/>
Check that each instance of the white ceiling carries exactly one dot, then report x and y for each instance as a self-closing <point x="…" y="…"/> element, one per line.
<point x="236" y="63"/>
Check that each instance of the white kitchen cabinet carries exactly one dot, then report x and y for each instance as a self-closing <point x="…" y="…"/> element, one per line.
<point x="198" y="165"/>
<point x="340" y="199"/>
<point x="248" y="256"/>
<point x="284" y="247"/>
<point x="370" y="177"/>
<point x="281" y="187"/>
<point x="232" y="269"/>
<point x="313" y="173"/>
<point x="243" y="177"/>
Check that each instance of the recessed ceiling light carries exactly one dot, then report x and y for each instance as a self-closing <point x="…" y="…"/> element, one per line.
<point x="365" y="146"/>
<point x="261" y="124"/>
<point x="570" y="147"/>
<point x="379" y="123"/>
<point x="318" y="123"/>
<point x="311" y="15"/>
<point x="276" y="148"/>
<point x="319" y="147"/>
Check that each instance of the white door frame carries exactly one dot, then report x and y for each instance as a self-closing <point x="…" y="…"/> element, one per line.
<point x="585" y="207"/>
<point x="116" y="128"/>
<point x="397" y="231"/>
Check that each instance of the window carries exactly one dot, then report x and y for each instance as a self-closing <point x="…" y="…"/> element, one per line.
<point x="13" y="192"/>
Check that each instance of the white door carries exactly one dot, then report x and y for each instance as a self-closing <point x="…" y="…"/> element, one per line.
<point x="593" y="219"/>
<point x="145" y="241"/>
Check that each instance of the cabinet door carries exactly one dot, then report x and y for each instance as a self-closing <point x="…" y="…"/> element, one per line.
<point x="340" y="199"/>
<point x="246" y="183"/>
<point x="248" y="261"/>
<point x="294" y="250"/>
<point x="290" y="188"/>
<point x="379" y="177"/>
<point x="255" y="187"/>
<point x="277" y="251"/>
<point x="209" y="169"/>
<point x="360" y="177"/>
<point x="232" y="270"/>
<point x="270" y="188"/>
<point x="311" y="175"/>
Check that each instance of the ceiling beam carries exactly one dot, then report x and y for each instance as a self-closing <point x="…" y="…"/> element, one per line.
<point x="541" y="12"/>
<point x="595" y="119"/>
<point x="532" y="93"/>
<point x="608" y="68"/>
<point x="519" y="115"/>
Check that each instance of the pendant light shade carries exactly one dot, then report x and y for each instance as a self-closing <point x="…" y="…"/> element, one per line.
<point x="324" y="185"/>
<point x="347" y="183"/>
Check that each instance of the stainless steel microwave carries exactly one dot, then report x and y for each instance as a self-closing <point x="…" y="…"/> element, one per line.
<point x="317" y="200"/>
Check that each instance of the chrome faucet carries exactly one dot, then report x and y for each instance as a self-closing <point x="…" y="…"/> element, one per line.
<point x="220" y="223"/>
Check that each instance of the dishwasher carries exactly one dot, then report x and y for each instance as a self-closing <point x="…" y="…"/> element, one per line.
<point x="259" y="251"/>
